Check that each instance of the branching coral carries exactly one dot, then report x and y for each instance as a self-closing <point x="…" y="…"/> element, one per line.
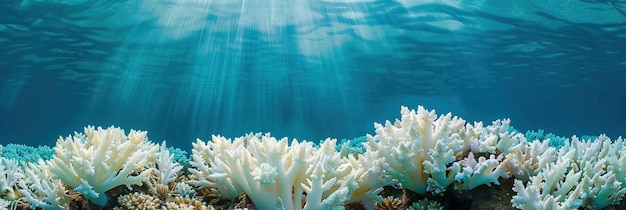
<point x="422" y="150"/>
<point x="101" y="159"/>
<point x="588" y="173"/>
<point x="167" y="169"/>
<point x="411" y="148"/>
<point x="10" y="175"/>
<point x="484" y="171"/>
<point x="40" y="190"/>
<point x="4" y="204"/>
<point x="274" y="173"/>
<point x="268" y="170"/>
<point x="527" y="159"/>
<point x="371" y="177"/>
<point x="330" y="179"/>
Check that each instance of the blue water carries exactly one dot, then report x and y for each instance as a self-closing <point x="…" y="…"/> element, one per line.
<point x="307" y="69"/>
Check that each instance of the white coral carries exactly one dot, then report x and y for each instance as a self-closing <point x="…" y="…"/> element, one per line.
<point x="408" y="143"/>
<point x="330" y="178"/>
<point x="102" y="159"/>
<point x="274" y="173"/>
<point x="41" y="190"/>
<point x="10" y="175"/>
<point x="528" y="158"/>
<point x="370" y="174"/>
<point x="587" y="174"/>
<point x="421" y="148"/>
<point x="484" y="171"/>
<point x="167" y="169"/>
<point x="266" y="169"/>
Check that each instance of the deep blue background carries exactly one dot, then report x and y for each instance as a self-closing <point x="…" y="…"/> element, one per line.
<point x="306" y="69"/>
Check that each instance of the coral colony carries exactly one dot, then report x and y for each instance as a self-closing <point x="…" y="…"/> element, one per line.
<point x="422" y="156"/>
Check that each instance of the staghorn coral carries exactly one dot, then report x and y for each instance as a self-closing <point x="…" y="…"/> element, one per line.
<point x="371" y="177"/>
<point x="421" y="152"/>
<point x="10" y="175"/>
<point x="528" y="158"/>
<point x="484" y="171"/>
<point x="585" y="173"/>
<point x="167" y="169"/>
<point x="185" y="190"/>
<point x="100" y="159"/>
<point x="40" y="190"/>
<point x="330" y="180"/>
<point x="273" y="173"/>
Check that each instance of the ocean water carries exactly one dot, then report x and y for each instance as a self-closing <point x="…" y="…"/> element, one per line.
<point x="307" y="69"/>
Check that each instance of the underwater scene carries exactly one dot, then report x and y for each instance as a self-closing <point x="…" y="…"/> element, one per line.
<point x="312" y="104"/>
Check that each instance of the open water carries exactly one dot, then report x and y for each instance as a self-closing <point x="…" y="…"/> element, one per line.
<point x="307" y="69"/>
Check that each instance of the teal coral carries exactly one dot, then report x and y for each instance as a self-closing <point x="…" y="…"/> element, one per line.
<point x="426" y="204"/>
<point x="352" y="146"/>
<point x="24" y="154"/>
<point x="555" y="141"/>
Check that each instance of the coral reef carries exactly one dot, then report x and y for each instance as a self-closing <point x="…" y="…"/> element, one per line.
<point x="420" y="161"/>
<point x="100" y="159"/>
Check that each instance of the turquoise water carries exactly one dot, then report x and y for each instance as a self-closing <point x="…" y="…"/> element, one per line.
<point x="307" y="69"/>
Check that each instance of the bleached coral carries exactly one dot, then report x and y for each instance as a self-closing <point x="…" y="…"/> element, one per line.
<point x="101" y="159"/>
<point x="10" y="175"/>
<point x="330" y="180"/>
<point x="422" y="152"/>
<point x="267" y="170"/>
<point x="421" y="149"/>
<point x="554" y="188"/>
<point x="208" y="167"/>
<point x="408" y="147"/>
<point x="167" y="169"/>
<point x="184" y="190"/>
<point x="274" y="173"/>
<point x="371" y="177"/>
<point x="588" y="173"/>
<point x="527" y="159"/>
<point x="484" y="171"/>
<point x="41" y="190"/>
<point x="4" y="204"/>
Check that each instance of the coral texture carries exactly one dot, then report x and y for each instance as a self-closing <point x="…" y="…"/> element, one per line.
<point x="100" y="159"/>
<point x="40" y="190"/>
<point x="422" y="154"/>
<point x="273" y="173"/>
